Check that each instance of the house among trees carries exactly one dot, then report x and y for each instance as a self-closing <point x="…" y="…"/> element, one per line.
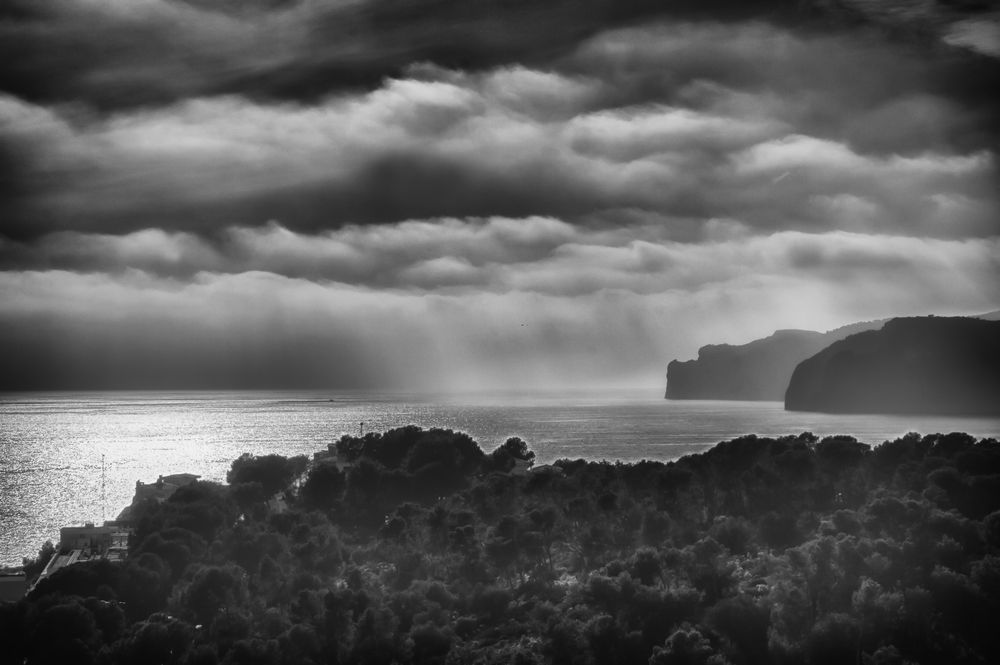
<point x="161" y="490"/>
<point x="109" y="542"/>
<point x="521" y="466"/>
<point x="343" y="455"/>
<point x="164" y="486"/>
<point x="89" y="542"/>
<point x="91" y="537"/>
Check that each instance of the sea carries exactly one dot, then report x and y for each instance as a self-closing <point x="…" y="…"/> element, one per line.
<point x="71" y="458"/>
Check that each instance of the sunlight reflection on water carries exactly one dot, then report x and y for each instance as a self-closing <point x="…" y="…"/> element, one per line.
<point x="51" y="443"/>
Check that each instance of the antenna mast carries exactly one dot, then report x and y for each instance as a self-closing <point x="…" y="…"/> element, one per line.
<point x="102" y="490"/>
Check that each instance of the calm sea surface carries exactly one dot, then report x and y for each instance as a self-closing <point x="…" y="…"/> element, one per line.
<point x="51" y="444"/>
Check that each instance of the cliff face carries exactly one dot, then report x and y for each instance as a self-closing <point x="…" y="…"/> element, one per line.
<point x="759" y="370"/>
<point x="912" y="365"/>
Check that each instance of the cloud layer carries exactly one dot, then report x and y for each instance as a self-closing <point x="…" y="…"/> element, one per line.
<point x="669" y="119"/>
<point x="375" y="193"/>
<point x="471" y="304"/>
<point x="151" y="52"/>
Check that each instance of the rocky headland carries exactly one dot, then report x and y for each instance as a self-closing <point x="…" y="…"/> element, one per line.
<point x="928" y="365"/>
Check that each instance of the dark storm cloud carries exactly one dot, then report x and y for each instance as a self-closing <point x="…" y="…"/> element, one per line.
<point x="115" y="53"/>
<point x="670" y="121"/>
<point x="241" y="6"/>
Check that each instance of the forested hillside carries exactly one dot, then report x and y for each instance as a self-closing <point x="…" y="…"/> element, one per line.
<point x="415" y="546"/>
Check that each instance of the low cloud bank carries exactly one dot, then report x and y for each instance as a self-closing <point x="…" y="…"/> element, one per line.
<point x="466" y="308"/>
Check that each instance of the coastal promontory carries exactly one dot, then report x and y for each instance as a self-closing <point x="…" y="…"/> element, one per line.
<point x="927" y="365"/>
<point x="758" y="370"/>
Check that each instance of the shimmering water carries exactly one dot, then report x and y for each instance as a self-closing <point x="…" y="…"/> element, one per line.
<point x="51" y="444"/>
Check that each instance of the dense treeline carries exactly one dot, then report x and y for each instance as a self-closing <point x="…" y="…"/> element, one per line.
<point x="415" y="546"/>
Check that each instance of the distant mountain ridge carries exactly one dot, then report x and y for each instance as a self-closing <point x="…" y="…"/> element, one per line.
<point x="928" y="365"/>
<point x="759" y="370"/>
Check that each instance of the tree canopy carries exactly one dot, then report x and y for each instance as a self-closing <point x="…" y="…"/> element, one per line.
<point x="415" y="546"/>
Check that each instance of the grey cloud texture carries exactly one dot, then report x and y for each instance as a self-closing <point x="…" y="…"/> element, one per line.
<point x="665" y="120"/>
<point x="535" y="255"/>
<point x="116" y="54"/>
<point x="466" y="194"/>
<point x="595" y="309"/>
<point x="150" y="52"/>
<point x="157" y="51"/>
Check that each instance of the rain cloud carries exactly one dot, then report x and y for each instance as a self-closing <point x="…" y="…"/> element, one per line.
<point x="381" y="194"/>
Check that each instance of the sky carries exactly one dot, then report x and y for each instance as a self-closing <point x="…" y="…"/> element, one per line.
<point x="452" y="195"/>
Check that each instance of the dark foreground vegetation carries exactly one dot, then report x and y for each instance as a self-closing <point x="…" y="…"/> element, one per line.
<point x="427" y="550"/>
